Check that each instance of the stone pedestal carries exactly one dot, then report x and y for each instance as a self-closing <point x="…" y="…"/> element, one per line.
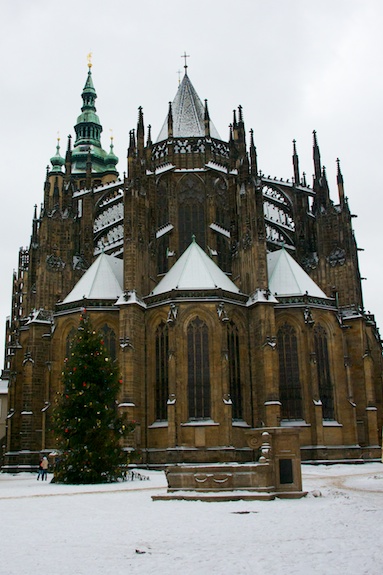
<point x="277" y="473"/>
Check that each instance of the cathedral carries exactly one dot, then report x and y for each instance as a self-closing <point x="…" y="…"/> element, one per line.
<point x="229" y="299"/>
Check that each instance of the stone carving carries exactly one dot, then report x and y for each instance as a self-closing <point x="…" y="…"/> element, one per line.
<point x="172" y="314"/>
<point x="310" y="262"/>
<point x="337" y="257"/>
<point x="221" y="312"/>
<point x="126" y="343"/>
<point x="55" y="263"/>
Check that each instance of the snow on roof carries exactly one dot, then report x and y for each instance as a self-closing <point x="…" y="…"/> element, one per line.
<point x="194" y="270"/>
<point x="188" y="114"/>
<point x="102" y="281"/>
<point x="287" y="278"/>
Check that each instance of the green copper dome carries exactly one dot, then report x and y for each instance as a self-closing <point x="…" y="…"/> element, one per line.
<point x="111" y="159"/>
<point x="57" y="160"/>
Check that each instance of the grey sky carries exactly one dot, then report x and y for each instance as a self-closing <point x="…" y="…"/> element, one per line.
<point x="294" y="66"/>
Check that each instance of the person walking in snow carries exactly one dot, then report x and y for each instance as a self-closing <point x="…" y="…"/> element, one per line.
<point x="40" y="471"/>
<point x="44" y="467"/>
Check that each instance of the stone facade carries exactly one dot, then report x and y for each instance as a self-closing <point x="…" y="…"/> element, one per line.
<point x="203" y="364"/>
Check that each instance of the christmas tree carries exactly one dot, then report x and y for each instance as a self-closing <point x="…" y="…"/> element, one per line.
<point x="87" y="425"/>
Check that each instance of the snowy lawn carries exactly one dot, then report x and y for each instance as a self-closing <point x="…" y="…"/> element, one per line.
<point x="117" y="529"/>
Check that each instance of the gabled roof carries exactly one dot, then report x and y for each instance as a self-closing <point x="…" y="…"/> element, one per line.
<point x="188" y="114"/>
<point x="287" y="278"/>
<point x="102" y="281"/>
<point x="194" y="270"/>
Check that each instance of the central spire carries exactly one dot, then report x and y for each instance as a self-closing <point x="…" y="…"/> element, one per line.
<point x="188" y="113"/>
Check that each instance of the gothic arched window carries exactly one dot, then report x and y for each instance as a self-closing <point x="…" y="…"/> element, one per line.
<point x="162" y="371"/>
<point x="234" y="370"/>
<point x="191" y="214"/>
<point x="198" y="370"/>
<point x="326" y="393"/>
<point x="290" y="393"/>
<point x="109" y="339"/>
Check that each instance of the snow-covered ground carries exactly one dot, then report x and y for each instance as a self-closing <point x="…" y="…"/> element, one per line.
<point x="117" y="529"/>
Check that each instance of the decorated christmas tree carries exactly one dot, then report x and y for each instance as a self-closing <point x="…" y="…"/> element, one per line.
<point x="87" y="425"/>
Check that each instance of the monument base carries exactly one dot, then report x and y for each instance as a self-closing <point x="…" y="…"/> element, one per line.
<point x="276" y="474"/>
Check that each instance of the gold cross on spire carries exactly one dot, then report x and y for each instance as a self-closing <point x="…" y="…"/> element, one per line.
<point x="89" y="57"/>
<point x="185" y="56"/>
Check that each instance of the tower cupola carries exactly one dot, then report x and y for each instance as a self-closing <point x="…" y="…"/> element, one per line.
<point x="57" y="160"/>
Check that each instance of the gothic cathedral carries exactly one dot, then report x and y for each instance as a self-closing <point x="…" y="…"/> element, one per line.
<point x="230" y="300"/>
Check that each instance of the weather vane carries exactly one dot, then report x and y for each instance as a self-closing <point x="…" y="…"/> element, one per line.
<point x="89" y="60"/>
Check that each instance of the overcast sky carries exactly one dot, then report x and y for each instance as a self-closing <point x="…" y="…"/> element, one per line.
<point x="294" y="65"/>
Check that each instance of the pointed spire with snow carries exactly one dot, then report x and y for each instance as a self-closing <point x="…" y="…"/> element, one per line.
<point x="188" y="114"/>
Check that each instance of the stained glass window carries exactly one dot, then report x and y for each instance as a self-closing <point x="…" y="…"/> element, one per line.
<point x="162" y="371"/>
<point x="290" y="393"/>
<point x="326" y="393"/>
<point x="234" y="370"/>
<point x="198" y="370"/>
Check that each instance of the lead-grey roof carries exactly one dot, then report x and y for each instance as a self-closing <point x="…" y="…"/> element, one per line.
<point x="287" y="278"/>
<point x="102" y="281"/>
<point x="194" y="270"/>
<point x="188" y="114"/>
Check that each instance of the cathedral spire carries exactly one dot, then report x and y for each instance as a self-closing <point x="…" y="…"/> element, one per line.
<point x="253" y="155"/>
<point x="188" y="115"/>
<point x="170" y="121"/>
<point x="316" y="157"/>
<point x="88" y="128"/>
<point x="68" y="157"/>
<point x="297" y="178"/>
<point x="34" y="238"/>
<point x="339" y="179"/>
<point x="149" y="140"/>
<point x="140" y="132"/>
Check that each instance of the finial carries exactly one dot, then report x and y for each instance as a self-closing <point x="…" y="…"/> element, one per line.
<point x="149" y="141"/>
<point x="193" y="239"/>
<point x="179" y="76"/>
<point x="252" y="145"/>
<point x="240" y="115"/>
<point x="89" y="57"/>
<point x="185" y="65"/>
<point x="294" y="147"/>
<point x="207" y="116"/>
<point x="339" y="176"/>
